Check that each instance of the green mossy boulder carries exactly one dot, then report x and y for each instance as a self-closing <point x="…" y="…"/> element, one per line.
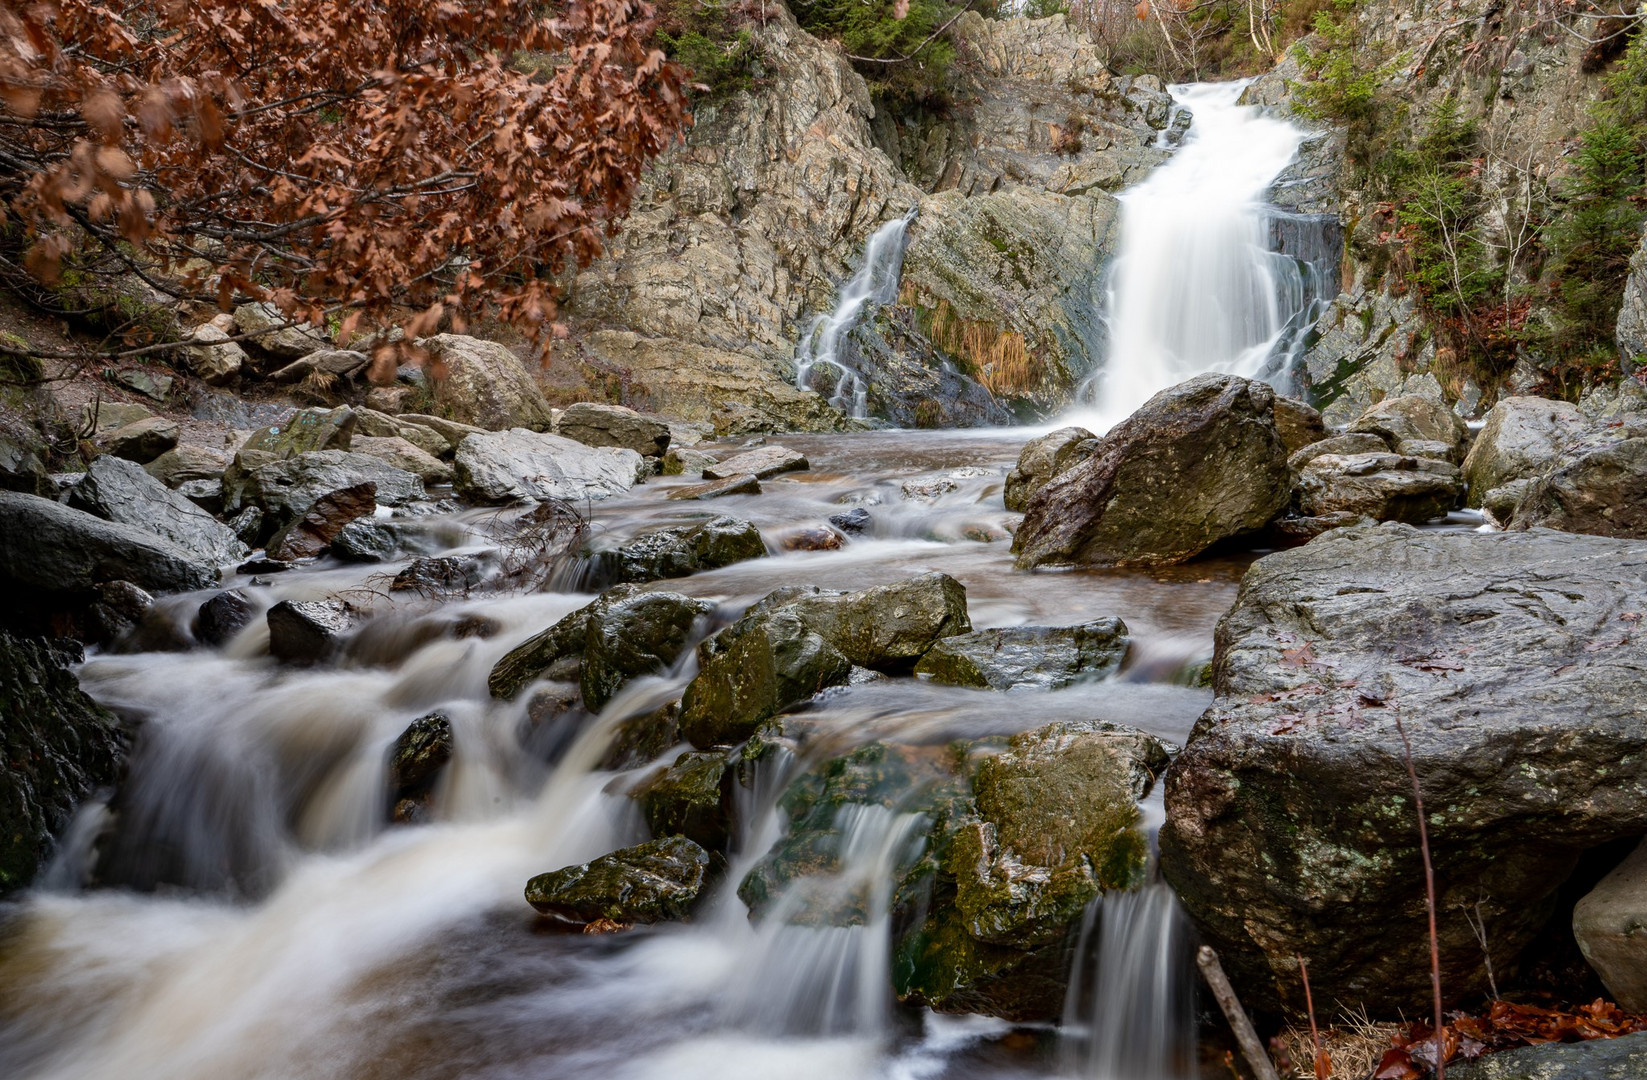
<point x="689" y="798"/>
<point x="680" y="551"/>
<point x="648" y="883"/>
<point x="1028" y="657"/>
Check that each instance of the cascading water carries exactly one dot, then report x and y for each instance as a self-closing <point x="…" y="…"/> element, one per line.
<point x="874" y="283"/>
<point x="1195" y="286"/>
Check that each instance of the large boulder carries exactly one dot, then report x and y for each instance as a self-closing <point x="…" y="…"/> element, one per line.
<point x="1042" y="459"/>
<point x="1028" y="657"/>
<point x="142" y="440"/>
<point x="1415" y="418"/>
<point x="483" y="383"/>
<point x="56" y="550"/>
<point x="648" y="883"/>
<point x="404" y="455"/>
<point x="613" y="425"/>
<point x="121" y="491"/>
<point x="1511" y="661"/>
<point x="506" y="466"/>
<point x="1600" y="488"/>
<point x="1521" y="438"/>
<point x="680" y="551"/>
<point x="800" y="640"/>
<point x="1608" y="923"/>
<point x="1198" y="463"/>
<point x="59" y="747"/>
<point x="1384" y="487"/>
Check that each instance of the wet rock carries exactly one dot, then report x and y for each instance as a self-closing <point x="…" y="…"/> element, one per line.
<point x="629" y="633"/>
<point x="732" y="485"/>
<point x="1042" y="459"/>
<point x="1512" y="660"/>
<point x="553" y="722"/>
<point x="1343" y="445"/>
<point x="182" y="464"/>
<point x="1299" y="424"/>
<point x="212" y="356"/>
<point x="59" y="747"/>
<point x="306" y="431"/>
<point x="307" y="631"/>
<point x="753" y="670"/>
<point x="365" y="540"/>
<point x="644" y="738"/>
<point x="1601" y="488"/>
<point x="285" y="489"/>
<point x="763" y="463"/>
<point x="416" y="759"/>
<point x="1385" y="487"/>
<point x="483" y="383"/>
<point x="1415" y="417"/>
<point x="1621" y="1058"/>
<point x="613" y="425"/>
<point x="537" y="655"/>
<point x="141" y="441"/>
<point x="682" y="550"/>
<point x="222" y="617"/>
<point x="120" y="491"/>
<point x="1199" y="463"/>
<point x="682" y="461"/>
<point x="816" y="538"/>
<point x="314" y="532"/>
<point x="56" y="550"/>
<point x="689" y="798"/>
<point x="1521" y="437"/>
<point x="927" y="491"/>
<point x="403" y="455"/>
<point x="854" y="522"/>
<point x="1608" y="922"/>
<point x="1028" y="657"/>
<point x="275" y="333"/>
<point x="453" y="432"/>
<point x="1291" y="531"/>
<point x="888" y="627"/>
<point x="648" y="883"/>
<point x="248" y="525"/>
<point x="508" y="466"/>
<point x="444" y="576"/>
<point x="120" y="608"/>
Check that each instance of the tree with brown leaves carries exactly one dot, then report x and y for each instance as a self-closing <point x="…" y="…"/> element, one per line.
<point x="339" y="158"/>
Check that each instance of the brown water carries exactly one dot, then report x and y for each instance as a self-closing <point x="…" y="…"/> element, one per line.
<point x="267" y="924"/>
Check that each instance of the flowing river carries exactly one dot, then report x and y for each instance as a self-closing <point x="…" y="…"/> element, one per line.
<point x="260" y="918"/>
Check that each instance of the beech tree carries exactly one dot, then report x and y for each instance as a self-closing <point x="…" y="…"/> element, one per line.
<point x="339" y="158"/>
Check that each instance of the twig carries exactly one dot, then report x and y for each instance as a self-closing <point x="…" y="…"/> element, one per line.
<point x="1429" y="898"/>
<point x="1478" y="926"/>
<point x="1315" y="1033"/>
<point x="1224" y="994"/>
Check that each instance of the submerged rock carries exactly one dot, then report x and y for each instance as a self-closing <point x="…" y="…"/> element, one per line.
<point x="743" y="484"/>
<point x="647" y="883"/>
<point x="221" y="618"/>
<point x="613" y="425"/>
<point x="1513" y="662"/>
<point x="307" y="631"/>
<point x="1028" y="657"/>
<point x="1044" y="458"/>
<point x="508" y="466"/>
<point x="681" y="550"/>
<point x="1199" y="463"/>
<point x="416" y="760"/>
<point x="59" y="747"/>
<point x="763" y="463"/>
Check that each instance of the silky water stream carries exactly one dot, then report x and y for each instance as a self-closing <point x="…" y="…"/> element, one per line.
<point x="257" y="917"/>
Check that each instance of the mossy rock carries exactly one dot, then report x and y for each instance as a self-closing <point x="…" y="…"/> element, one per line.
<point x="1028" y="657"/>
<point x="689" y="798"/>
<point x="651" y="882"/>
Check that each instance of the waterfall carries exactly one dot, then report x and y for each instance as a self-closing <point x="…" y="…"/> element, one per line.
<point x="874" y="283"/>
<point x="1195" y="286"/>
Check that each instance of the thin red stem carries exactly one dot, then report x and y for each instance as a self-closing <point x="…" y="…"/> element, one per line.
<point x="1429" y="896"/>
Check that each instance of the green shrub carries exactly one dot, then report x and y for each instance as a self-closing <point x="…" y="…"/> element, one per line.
<point x="870" y="31"/>
<point x="711" y="40"/>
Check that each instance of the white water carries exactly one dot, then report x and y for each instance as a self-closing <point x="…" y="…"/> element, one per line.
<point x="874" y="283"/>
<point x="1194" y="287"/>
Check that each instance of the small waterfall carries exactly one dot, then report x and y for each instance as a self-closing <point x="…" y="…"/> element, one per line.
<point x="1196" y="286"/>
<point x="874" y="283"/>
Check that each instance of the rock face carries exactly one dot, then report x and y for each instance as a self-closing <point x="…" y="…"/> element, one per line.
<point x="647" y="883"/>
<point x="798" y="641"/>
<point x="1632" y="315"/>
<point x="1521" y="437"/>
<point x="506" y="466"/>
<point x="1042" y="459"/>
<point x="122" y="492"/>
<point x="1198" y="463"/>
<point x="1512" y="660"/>
<point x="1028" y="657"/>
<point x="483" y="383"/>
<point x="1384" y="487"/>
<point x="59" y="747"/>
<point x="1601" y="489"/>
<point x="613" y="425"/>
<point x="57" y="550"/>
<point x="680" y="551"/>
<point x="1608" y="924"/>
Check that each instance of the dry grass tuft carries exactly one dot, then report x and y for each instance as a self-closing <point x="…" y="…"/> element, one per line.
<point x="1355" y="1045"/>
<point x="999" y="359"/>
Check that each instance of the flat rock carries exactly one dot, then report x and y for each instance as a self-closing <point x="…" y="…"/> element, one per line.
<point x="762" y="463"/>
<point x="122" y="492"/>
<point x="1623" y="1058"/>
<point x="508" y="466"/>
<point x="1028" y="657"/>
<point x="745" y="484"/>
<point x="101" y="417"/>
<point x="647" y="883"/>
<point x="595" y="424"/>
<point x="1384" y="487"/>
